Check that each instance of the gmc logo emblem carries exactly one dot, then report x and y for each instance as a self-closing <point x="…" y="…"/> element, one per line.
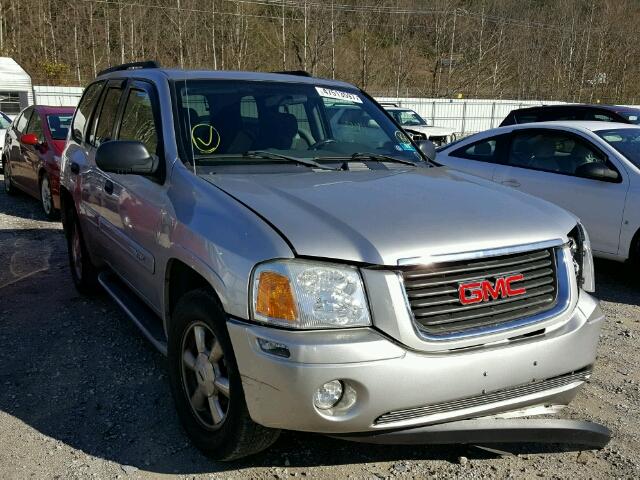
<point x="476" y="292"/>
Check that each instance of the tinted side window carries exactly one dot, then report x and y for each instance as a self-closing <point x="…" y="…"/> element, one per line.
<point x="138" y="122"/>
<point x="107" y="119"/>
<point x="482" y="151"/>
<point x="35" y="126"/>
<point x="526" y="117"/>
<point x="562" y="114"/>
<point x="83" y="112"/>
<point x="599" y="116"/>
<point x="21" y="123"/>
<point x="555" y="152"/>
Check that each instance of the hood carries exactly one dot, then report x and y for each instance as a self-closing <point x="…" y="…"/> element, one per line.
<point x="432" y="131"/>
<point x="379" y="217"/>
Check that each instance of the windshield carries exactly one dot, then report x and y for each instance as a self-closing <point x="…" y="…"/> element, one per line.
<point x="221" y="121"/>
<point x="59" y="125"/>
<point x="4" y="121"/>
<point x="626" y="141"/>
<point x="632" y="117"/>
<point x="408" y="118"/>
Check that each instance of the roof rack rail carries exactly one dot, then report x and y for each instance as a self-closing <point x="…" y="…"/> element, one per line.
<point x="388" y="104"/>
<point x="299" y="73"/>
<point x="130" y="66"/>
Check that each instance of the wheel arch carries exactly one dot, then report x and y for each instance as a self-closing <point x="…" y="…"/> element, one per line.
<point x="634" y="247"/>
<point x="181" y="278"/>
<point x="67" y="207"/>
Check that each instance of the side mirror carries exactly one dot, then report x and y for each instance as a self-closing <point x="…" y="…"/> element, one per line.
<point x="597" y="171"/>
<point x="125" y="157"/>
<point x="29" y="139"/>
<point x="428" y="149"/>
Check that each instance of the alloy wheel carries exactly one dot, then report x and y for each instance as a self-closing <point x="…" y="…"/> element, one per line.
<point x="204" y="375"/>
<point x="45" y="195"/>
<point x="76" y="253"/>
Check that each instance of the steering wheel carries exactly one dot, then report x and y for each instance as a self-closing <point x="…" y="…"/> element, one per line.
<point x="321" y="143"/>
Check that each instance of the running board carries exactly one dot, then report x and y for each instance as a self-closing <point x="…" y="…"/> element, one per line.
<point x="488" y="431"/>
<point x="142" y="316"/>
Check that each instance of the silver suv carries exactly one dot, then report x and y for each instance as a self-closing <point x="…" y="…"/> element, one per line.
<point x="300" y="279"/>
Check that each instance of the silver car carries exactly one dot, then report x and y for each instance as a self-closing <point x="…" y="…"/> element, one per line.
<point x="299" y="279"/>
<point x="591" y="168"/>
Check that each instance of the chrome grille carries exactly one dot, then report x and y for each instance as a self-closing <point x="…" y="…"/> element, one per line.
<point x="484" y="399"/>
<point x="432" y="291"/>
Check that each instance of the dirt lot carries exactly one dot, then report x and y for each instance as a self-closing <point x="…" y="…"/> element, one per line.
<point x="83" y="395"/>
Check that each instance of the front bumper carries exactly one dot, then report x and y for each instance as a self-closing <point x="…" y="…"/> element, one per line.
<point x="387" y="378"/>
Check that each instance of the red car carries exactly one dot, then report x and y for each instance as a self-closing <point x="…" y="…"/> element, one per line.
<point x="31" y="154"/>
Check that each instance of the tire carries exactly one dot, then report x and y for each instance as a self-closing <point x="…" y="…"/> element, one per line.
<point x="46" y="198"/>
<point x="8" y="184"/>
<point x="83" y="272"/>
<point x="217" y="420"/>
<point x="634" y="256"/>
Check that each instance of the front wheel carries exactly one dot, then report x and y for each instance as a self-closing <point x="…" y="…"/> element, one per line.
<point x="46" y="198"/>
<point x="206" y="384"/>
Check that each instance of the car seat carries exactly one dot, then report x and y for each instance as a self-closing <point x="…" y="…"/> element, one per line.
<point x="277" y="130"/>
<point x="542" y="157"/>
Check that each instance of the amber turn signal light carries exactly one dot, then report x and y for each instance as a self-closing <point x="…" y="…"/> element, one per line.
<point x="275" y="298"/>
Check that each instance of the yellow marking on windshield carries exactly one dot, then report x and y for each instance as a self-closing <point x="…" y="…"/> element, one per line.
<point x="199" y="138"/>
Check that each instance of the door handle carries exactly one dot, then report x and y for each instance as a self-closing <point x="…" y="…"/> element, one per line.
<point x="75" y="168"/>
<point x="108" y="187"/>
<point x="511" y="183"/>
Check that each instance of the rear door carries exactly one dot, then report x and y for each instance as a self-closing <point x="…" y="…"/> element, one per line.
<point x="78" y="168"/>
<point x="478" y="158"/>
<point x="543" y="162"/>
<point x="132" y="205"/>
<point x="101" y="130"/>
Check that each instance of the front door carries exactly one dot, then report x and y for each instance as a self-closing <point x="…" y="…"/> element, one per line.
<point x="133" y="204"/>
<point x="31" y="156"/>
<point x="543" y="162"/>
<point x="16" y="149"/>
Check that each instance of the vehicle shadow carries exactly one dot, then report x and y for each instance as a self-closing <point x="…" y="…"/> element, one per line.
<point x="76" y="370"/>
<point x="617" y="282"/>
<point x="21" y="205"/>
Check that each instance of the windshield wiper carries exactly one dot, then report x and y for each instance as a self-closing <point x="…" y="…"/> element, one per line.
<point x="276" y="156"/>
<point x="376" y="157"/>
<point x="380" y="158"/>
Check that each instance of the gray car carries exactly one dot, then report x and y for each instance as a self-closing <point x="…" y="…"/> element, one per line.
<point x="325" y="281"/>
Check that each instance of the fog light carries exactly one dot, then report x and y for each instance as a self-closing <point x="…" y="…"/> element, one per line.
<point x="328" y="395"/>
<point x="274" y="348"/>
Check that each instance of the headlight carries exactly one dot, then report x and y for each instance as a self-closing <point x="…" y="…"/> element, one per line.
<point x="582" y="258"/>
<point x="303" y="294"/>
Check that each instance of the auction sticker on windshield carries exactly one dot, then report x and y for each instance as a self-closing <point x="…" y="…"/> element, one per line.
<point x="338" y="94"/>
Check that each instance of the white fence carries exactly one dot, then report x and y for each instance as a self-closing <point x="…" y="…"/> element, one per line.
<point x="57" y="96"/>
<point x="464" y="116"/>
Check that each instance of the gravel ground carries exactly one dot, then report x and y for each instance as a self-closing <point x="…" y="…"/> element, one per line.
<point x="83" y="395"/>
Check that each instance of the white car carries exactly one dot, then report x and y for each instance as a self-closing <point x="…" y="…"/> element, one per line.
<point x="4" y="124"/>
<point x="418" y="127"/>
<point x="590" y="168"/>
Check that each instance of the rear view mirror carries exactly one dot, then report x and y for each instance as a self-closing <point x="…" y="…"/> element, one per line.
<point x="597" y="171"/>
<point x="29" y="139"/>
<point x="428" y="149"/>
<point x="126" y="157"/>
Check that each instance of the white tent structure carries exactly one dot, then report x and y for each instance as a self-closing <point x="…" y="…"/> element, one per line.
<point x="16" y="90"/>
